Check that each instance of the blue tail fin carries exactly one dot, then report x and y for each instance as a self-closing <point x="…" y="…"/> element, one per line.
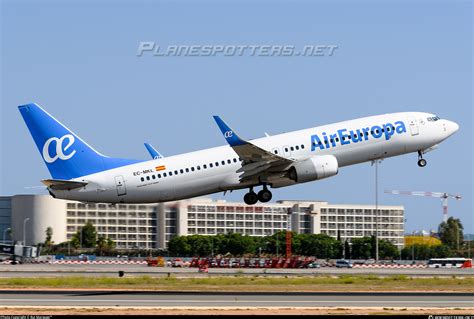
<point x="65" y="154"/>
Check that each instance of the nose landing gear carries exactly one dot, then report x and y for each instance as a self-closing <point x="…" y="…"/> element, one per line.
<point x="421" y="160"/>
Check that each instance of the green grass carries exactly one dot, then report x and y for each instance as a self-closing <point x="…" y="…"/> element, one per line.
<point x="248" y="283"/>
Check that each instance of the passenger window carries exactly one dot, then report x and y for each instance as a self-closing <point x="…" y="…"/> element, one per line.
<point x="235" y="160"/>
<point x="148" y="178"/>
<point x="297" y="147"/>
<point x="228" y="161"/>
<point x="175" y="172"/>
<point x="181" y="171"/>
<point x="142" y="179"/>
<point x="205" y="166"/>
<point x="159" y="175"/>
<point x="198" y="168"/>
<point x="292" y="148"/>
<point x="217" y="164"/>
<point x="286" y="149"/>
<point x="223" y="162"/>
<point x="187" y="170"/>
<point x="164" y="174"/>
<point x="302" y="146"/>
<point x="171" y="173"/>
<point x="192" y="169"/>
<point x="152" y="176"/>
<point x="210" y="165"/>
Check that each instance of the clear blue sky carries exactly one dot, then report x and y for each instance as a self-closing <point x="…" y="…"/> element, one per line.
<point x="78" y="60"/>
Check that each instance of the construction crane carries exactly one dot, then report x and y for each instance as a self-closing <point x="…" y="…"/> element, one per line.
<point x="444" y="197"/>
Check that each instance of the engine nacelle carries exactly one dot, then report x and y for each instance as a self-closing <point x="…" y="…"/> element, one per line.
<point x="316" y="167"/>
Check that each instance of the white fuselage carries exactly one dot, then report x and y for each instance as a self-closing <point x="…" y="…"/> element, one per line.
<point x="139" y="183"/>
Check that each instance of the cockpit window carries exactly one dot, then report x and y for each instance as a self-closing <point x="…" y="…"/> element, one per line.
<point x="433" y="118"/>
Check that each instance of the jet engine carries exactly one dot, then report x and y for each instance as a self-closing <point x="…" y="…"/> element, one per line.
<point x="314" y="168"/>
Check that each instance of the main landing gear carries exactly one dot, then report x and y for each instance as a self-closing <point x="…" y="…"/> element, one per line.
<point x="421" y="160"/>
<point x="263" y="196"/>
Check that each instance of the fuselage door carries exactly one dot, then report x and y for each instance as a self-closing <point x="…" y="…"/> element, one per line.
<point x="120" y="184"/>
<point x="413" y="126"/>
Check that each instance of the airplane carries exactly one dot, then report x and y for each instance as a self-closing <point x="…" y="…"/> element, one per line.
<point x="81" y="173"/>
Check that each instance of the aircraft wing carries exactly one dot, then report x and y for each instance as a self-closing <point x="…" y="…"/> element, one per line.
<point x="61" y="184"/>
<point x="256" y="161"/>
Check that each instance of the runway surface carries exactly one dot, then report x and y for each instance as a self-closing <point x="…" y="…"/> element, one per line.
<point x="212" y="300"/>
<point x="52" y="270"/>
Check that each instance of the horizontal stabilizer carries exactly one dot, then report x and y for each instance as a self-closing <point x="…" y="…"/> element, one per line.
<point x="60" y="184"/>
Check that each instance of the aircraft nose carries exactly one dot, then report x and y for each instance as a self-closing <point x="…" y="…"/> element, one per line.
<point x="451" y="127"/>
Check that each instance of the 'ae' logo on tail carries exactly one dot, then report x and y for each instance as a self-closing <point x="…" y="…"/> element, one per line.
<point x="60" y="149"/>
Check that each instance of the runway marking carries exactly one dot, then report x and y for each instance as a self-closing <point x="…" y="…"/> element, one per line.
<point x="237" y="301"/>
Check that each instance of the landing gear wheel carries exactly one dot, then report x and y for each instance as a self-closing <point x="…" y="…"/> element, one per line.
<point x="422" y="162"/>
<point x="250" y="198"/>
<point x="264" y="195"/>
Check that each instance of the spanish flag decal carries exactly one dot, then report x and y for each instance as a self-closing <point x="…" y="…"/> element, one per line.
<point x="160" y="168"/>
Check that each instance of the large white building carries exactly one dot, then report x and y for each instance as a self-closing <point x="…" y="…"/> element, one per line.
<point x="150" y="226"/>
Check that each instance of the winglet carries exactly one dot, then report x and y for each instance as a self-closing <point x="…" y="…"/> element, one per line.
<point x="153" y="152"/>
<point x="231" y="137"/>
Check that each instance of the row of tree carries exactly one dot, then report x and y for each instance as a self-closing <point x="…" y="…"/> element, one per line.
<point x="86" y="237"/>
<point x="451" y="235"/>
<point x="319" y="245"/>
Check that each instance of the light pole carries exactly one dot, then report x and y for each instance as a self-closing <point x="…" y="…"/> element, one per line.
<point x="24" y="230"/>
<point x="5" y="233"/>
<point x="376" y="162"/>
